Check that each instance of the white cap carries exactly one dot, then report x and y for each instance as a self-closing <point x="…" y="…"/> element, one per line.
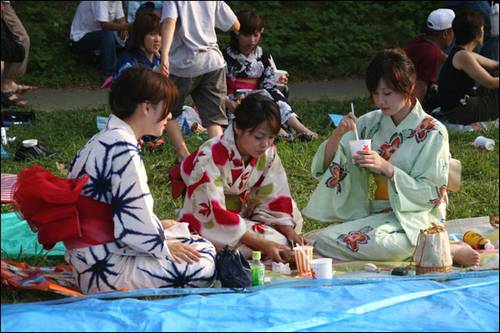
<point x="440" y="19"/>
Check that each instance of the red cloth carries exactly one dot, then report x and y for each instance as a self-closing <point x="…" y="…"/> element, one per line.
<point x="178" y="186"/>
<point x="426" y="57"/>
<point x="241" y="83"/>
<point x="55" y="210"/>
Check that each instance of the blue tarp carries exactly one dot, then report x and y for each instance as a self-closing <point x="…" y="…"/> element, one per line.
<point x="456" y="302"/>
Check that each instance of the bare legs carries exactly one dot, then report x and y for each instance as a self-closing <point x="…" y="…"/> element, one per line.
<point x="174" y="133"/>
<point x="295" y="123"/>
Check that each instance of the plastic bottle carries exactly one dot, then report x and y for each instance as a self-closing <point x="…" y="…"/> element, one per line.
<point x="258" y="269"/>
<point x="477" y="241"/>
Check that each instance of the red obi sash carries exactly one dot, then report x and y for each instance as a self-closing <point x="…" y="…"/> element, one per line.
<point x="55" y="210"/>
<point x="234" y="83"/>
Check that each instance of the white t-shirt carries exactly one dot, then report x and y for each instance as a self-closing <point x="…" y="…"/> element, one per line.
<point x="194" y="49"/>
<point x="90" y="14"/>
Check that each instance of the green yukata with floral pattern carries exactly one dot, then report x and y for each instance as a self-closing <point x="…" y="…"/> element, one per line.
<point x="384" y="230"/>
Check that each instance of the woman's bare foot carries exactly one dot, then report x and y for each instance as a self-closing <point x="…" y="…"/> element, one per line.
<point x="464" y="255"/>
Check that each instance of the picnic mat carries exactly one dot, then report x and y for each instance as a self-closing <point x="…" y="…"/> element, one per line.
<point x="18" y="239"/>
<point x="8" y="181"/>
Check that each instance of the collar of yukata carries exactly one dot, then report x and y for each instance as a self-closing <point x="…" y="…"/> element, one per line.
<point x="116" y="123"/>
<point x="228" y="140"/>
<point x="257" y="53"/>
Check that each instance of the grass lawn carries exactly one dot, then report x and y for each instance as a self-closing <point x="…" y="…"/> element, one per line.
<point x="67" y="131"/>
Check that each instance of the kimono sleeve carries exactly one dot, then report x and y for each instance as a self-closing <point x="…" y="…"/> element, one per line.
<point x="417" y="189"/>
<point x="135" y="223"/>
<point x="273" y="201"/>
<point x="342" y="191"/>
<point x="205" y="206"/>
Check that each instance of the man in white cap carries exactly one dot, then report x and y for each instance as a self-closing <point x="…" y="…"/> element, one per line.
<point x="425" y="50"/>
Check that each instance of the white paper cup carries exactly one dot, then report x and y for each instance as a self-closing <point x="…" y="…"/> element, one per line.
<point x="279" y="76"/>
<point x="30" y="143"/>
<point x="322" y="267"/>
<point x="357" y="145"/>
<point x="484" y="143"/>
<point x="302" y="263"/>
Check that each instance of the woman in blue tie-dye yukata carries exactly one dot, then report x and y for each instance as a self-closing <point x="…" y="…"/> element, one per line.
<point x="114" y="240"/>
<point x="409" y="160"/>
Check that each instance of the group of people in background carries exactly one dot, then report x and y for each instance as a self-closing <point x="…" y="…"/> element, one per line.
<point x="236" y="189"/>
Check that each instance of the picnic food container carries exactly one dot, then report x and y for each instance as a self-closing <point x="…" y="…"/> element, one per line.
<point x="433" y="254"/>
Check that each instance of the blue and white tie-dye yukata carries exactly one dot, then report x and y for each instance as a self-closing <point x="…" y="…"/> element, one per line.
<point x="139" y="256"/>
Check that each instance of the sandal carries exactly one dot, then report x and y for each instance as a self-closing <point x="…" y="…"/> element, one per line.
<point x="11" y="100"/>
<point x="306" y="137"/>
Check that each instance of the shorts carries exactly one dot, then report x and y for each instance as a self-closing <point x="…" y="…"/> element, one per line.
<point x="208" y="92"/>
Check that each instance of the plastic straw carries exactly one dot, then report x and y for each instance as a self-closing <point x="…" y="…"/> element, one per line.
<point x="356" y="127"/>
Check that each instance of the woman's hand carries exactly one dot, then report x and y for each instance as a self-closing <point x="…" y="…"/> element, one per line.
<point x="183" y="252"/>
<point x="348" y="123"/>
<point x="291" y="235"/>
<point x="168" y="223"/>
<point x="231" y="105"/>
<point x="372" y="160"/>
<point x="276" y="252"/>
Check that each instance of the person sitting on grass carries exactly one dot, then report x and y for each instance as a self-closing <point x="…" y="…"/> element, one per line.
<point x="115" y="241"/>
<point x="409" y="160"/>
<point x="145" y="45"/>
<point x="237" y="189"/>
<point x="251" y="67"/>
<point x="460" y="104"/>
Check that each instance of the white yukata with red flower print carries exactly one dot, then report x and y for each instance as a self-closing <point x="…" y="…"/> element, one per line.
<point x="225" y="198"/>
<point x="385" y="228"/>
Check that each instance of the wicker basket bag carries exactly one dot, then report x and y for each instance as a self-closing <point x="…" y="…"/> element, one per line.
<point x="432" y="254"/>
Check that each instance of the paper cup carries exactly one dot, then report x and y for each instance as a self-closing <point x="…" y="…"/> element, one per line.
<point x="30" y="143"/>
<point x="357" y="145"/>
<point x="484" y="143"/>
<point x="301" y="262"/>
<point x="322" y="268"/>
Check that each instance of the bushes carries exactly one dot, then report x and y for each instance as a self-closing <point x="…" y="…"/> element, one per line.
<point x="310" y="39"/>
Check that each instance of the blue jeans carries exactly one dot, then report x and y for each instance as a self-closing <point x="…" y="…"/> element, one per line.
<point x="105" y="42"/>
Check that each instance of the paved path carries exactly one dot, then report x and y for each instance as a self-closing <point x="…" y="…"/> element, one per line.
<point x="67" y="99"/>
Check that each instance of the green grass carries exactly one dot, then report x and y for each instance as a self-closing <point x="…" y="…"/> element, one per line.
<point x="67" y="131"/>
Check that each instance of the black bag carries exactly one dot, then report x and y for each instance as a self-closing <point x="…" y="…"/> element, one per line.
<point x="233" y="270"/>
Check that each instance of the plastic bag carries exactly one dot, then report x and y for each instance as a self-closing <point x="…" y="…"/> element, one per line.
<point x="233" y="270"/>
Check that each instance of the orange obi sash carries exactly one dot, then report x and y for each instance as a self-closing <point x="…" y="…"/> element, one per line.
<point x="55" y="210"/>
<point x="381" y="192"/>
<point x="234" y="83"/>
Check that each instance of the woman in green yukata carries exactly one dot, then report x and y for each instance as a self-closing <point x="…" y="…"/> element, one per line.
<point x="409" y="160"/>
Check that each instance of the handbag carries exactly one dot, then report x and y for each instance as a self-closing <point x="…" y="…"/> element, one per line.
<point x="233" y="270"/>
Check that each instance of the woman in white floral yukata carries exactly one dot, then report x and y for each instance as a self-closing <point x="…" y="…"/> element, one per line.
<point x="409" y="159"/>
<point x="237" y="189"/>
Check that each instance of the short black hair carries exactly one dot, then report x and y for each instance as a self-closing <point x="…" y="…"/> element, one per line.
<point x="467" y="26"/>
<point x="249" y="24"/>
<point x="395" y="68"/>
<point x="140" y="84"/>
<point x="256" y="109"/>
